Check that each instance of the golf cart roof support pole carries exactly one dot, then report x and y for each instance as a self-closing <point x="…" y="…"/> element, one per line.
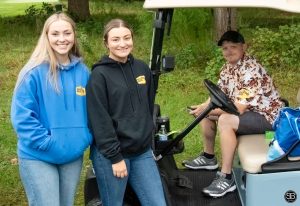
<point x="162" y="17"/>
<point x="182" y="134"/>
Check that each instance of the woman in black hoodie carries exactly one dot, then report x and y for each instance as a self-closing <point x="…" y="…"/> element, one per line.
<point x="120" y="99"/>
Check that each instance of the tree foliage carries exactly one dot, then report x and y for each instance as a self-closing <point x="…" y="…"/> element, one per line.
<point x="277" y="49"/>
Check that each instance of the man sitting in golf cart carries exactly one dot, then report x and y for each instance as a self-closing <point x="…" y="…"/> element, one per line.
<point x="251" y="89"/>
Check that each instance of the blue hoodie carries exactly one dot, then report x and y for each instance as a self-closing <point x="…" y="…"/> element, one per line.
<point x="52" y="126"/>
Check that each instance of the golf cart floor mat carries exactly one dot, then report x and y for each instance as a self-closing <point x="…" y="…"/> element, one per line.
<point x="184" y="196"/>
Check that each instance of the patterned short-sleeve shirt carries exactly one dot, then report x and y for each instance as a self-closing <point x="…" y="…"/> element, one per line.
<point x="248" y="83"/>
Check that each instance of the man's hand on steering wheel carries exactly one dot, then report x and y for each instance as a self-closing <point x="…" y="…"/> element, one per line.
<point x="219" y="98"/>
<point x="196" y="110"/>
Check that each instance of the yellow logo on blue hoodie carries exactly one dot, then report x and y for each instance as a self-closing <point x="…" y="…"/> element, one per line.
<point x="80" y="91"/>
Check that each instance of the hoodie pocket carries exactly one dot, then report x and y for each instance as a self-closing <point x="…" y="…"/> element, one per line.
<point x="69" y="143"/>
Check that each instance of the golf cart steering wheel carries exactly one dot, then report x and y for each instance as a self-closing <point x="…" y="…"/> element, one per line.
<point x="220" y="99"/>
<point x="217" y="100"/>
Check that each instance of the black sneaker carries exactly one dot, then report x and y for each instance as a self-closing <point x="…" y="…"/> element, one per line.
<point x="219" y="186"/>
<point x="201" y="162"/>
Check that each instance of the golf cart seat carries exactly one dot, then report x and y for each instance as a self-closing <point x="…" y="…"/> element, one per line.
<point x="252" y="151"/>
<point x="266" y="183"/>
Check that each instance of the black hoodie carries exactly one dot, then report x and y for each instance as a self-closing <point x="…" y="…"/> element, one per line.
<point x="120" y="100"/>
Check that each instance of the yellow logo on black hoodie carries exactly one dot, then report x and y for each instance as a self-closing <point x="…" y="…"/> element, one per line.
<point x="141" y="79"/>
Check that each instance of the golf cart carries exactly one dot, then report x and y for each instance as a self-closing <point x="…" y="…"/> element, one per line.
<point x="259" y="183"/>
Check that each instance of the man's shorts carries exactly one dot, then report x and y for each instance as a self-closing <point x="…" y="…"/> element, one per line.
<point x="252" y="123"/>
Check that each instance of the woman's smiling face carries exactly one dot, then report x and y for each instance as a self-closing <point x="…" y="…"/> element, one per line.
<point x="119" y="43"/>
<point x="61" y="38"/>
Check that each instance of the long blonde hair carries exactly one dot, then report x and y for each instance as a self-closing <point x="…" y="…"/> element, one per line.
<point x="44" y="53"/>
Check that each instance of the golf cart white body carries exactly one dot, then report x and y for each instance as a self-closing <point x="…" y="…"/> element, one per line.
<point x="258" y="183"/>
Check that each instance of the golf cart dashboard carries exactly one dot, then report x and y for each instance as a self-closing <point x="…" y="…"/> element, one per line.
<point x="286" y="5"/>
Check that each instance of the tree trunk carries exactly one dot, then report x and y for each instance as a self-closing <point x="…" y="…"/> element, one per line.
<point x="225" y="19"/>
<point x="79" y="9"/>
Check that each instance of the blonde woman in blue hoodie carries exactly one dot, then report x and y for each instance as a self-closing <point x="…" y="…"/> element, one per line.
<point x="48" y="113"/>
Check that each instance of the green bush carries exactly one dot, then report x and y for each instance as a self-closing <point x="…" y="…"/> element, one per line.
<point x="186" y="57"/>
<point x="214" y="65"/>
<point x="190" y="24"/>
<point x="33" y="12"/>
<point x="277" y="49"/>
<point x="190" y="37"/>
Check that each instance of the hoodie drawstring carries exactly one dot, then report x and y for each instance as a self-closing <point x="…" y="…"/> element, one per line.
<point x="74" y="93"/>
<point x="136" y="86"/>
<point x="62" y="79"/>
<point x="127" y="84"/>
<point x="63" y="72"/>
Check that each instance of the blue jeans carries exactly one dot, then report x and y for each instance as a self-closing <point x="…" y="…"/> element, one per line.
<point x="143" y="177"/>
<point x="48" y="184"/>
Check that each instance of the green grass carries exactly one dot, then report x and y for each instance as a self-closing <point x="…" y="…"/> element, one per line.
<point x="176" y="90"/>
<point x="10" y="8"/>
